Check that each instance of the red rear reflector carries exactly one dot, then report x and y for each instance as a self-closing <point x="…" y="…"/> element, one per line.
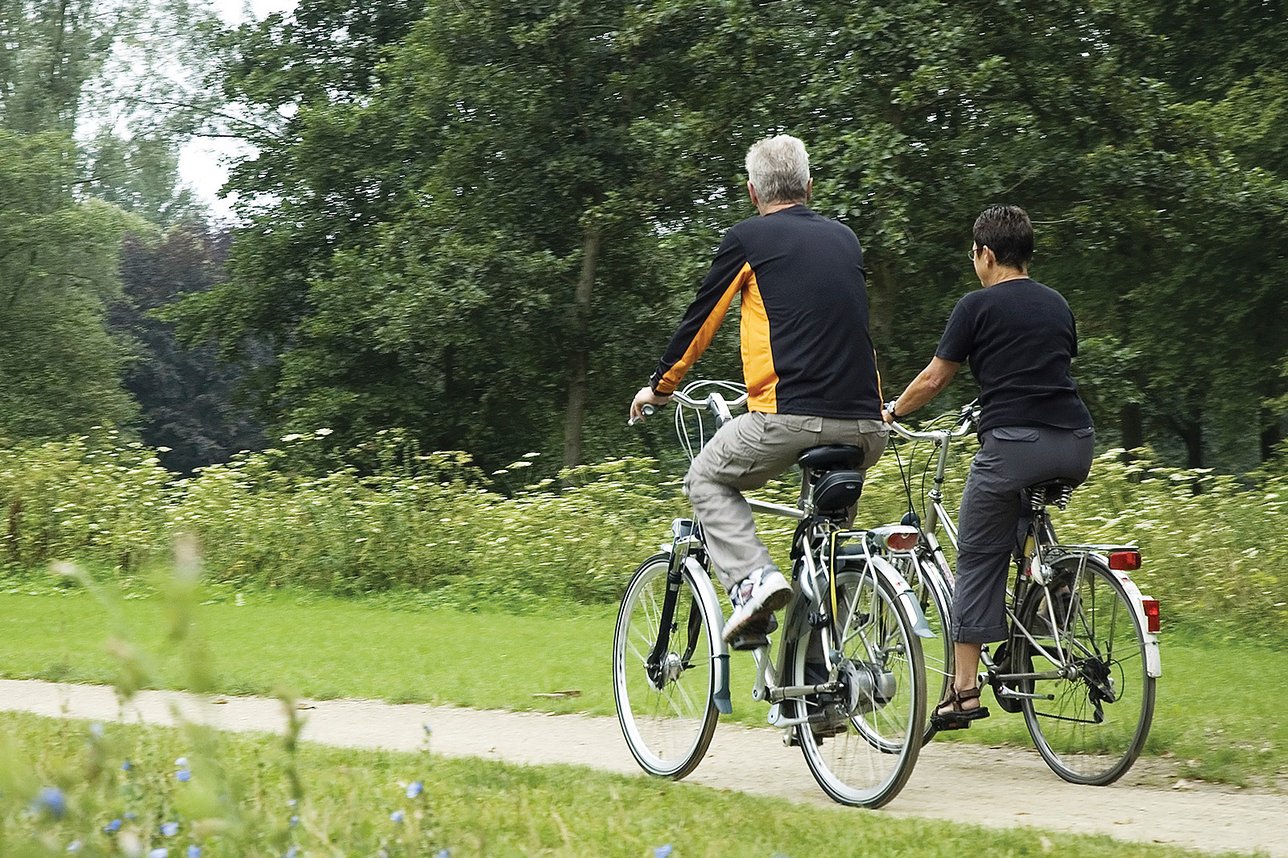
<point x="1152" y="616"/>
<point x="902" y="541"/>
<point x="1124" y="561"/>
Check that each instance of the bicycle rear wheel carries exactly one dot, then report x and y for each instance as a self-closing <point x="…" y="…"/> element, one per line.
<point x="1093" y="720"/>
<point x="666" y="709"/>
<point x="863" y="741"/>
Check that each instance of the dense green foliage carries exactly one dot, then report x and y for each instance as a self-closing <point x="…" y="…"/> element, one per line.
<point x="506" y="204"/>
<point x="80" y="169"/>
<point x="393" y="518"/>
<point x="479" y="223"/>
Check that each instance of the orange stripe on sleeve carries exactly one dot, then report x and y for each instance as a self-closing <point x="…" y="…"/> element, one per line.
<point x="706" y="333"/>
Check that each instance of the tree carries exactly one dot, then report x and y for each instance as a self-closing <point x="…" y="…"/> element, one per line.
<point x="187" y="403"/>
<point x="481" y="221"/>
<point x="61" y="367"/>
<point x="459" y="276"/>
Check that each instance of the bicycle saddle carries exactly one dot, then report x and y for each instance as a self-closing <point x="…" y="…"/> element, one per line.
<point x="830" y="457"/>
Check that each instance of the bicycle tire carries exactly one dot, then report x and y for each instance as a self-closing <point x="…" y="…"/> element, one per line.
<point x="667" y="723"/>
<point x="1098" y="718"/>
<point x="868" y="763"/>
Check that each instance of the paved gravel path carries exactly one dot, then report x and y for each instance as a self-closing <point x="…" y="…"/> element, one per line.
<point x="1137" y="808"/>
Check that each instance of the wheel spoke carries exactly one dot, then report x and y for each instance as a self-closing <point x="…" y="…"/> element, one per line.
<point x="1094" y="728"/>
<point x="667" y="729"/>
<point x="866" y="752"/>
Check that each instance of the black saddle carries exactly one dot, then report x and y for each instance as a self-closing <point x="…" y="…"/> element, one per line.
<point x="837" y="484"/>
<point x="829" y="457"/>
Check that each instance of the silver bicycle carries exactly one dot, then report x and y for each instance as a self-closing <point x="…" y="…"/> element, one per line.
<point x="1081" y="657"/>
<point x="847" y="680"/>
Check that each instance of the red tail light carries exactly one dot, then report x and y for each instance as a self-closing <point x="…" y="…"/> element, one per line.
<point x="1153" y="618"/>
<point x="1124" y="561"/>
<point x="902" y="540"/>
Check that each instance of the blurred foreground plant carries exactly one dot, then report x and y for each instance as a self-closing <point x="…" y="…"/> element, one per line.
<point x="105" y="790"/>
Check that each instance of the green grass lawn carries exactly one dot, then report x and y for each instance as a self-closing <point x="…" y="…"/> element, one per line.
<point x="1218" y="717"/>
<point x="248" y="796"/>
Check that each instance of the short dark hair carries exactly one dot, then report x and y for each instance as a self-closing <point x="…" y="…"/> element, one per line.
<point x="1008" y="232"/>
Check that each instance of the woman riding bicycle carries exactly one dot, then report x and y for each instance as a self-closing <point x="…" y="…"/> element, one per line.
<point x="1019" y="337"/>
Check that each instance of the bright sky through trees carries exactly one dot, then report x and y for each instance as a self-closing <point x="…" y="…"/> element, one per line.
<point x="203" y="162"/>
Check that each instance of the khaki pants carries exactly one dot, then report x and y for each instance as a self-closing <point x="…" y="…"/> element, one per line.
<point x="746" y="453"/>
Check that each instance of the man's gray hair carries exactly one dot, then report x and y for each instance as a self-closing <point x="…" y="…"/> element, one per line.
<point x="778" y="167"/>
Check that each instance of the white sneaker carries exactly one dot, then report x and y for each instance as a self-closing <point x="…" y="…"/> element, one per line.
<point x="762" y="592"/>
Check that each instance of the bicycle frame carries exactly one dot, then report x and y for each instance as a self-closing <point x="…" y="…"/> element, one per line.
<point x="687" y="548"/>
<point x="1041" y="547"/>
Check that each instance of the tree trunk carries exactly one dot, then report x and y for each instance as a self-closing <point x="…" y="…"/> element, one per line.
<point x="1270" y="438"/>
<point x="1192" y="434"/>
<point x="579" y="360"/>
<point x="883" y="290"/>
<point x="1133" y="426"/>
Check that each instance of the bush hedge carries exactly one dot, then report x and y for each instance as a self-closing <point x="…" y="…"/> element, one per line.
<point x="388" y="517"/>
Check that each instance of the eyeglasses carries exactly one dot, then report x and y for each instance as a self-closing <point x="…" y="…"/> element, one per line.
<point x="971" y="254"/>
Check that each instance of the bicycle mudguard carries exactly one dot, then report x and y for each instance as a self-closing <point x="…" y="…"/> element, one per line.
<point x="1099" y="553"/>
<point x="715" y="622"/>
<point x="905" y="594"/>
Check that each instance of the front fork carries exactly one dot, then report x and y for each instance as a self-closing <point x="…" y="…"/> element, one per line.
<point x="686" y="551"/>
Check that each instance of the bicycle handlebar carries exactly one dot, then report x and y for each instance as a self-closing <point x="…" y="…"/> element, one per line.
<point x="714" y="402"/>
<point x="967" y="420"/>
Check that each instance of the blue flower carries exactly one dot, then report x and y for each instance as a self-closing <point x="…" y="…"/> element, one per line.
<point x="183" y="775"/>
<point x="415" y="788"/>
<point x="96" y="730"/>
<point x="294" y="821"/>
<point x="126" y="766"/>
<point x="194" y="851"/>
<point x="397" y="816"/>
<point x="50" y="800"/>
<point x="291" y="853"/>
<point x="662" y="851"/>
<point x="159" y="852"/>
<point x="169" y="829"/>
<point x="181" y="763"/>
<point x="443" y="853"/>
<point x="112" y="827"/>
<point x="129" y="814"/>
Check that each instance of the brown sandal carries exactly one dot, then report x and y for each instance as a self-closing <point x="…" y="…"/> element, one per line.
<point x="957" y="718"/>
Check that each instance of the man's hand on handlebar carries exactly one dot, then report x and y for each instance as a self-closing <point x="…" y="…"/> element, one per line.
<point x="646" y="396"/>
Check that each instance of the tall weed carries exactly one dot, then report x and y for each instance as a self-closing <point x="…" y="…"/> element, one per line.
<point x="392" y="518"/>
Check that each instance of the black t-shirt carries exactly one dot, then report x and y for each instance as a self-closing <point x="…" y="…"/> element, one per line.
<point x="1020" y="338"/>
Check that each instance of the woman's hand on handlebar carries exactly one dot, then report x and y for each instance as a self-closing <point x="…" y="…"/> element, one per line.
<point x="646" y="396"/>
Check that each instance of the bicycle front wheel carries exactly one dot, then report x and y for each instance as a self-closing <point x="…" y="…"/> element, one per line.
<point x="862" y="741"/>
<point x="1091" y="721"/>
<point x="664" y="694"/>
<point x="934" y="595"/>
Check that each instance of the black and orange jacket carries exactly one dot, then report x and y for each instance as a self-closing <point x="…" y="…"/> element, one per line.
<point x="805" y="342"/>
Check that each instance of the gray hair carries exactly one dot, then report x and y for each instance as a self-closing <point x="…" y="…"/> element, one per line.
<point x="778" y="167"/>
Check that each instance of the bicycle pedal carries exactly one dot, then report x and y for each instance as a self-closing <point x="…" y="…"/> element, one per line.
<point x="749" y="641"/>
